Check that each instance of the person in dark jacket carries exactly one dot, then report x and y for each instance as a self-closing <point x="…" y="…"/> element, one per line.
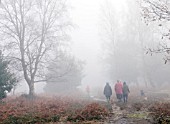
<point x="107" y="91"/>
<point x="126" y="91"/>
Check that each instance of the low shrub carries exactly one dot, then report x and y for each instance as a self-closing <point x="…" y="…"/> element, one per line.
<point x="93" y="111"/>
<point x="44" y="110"/>
<point x="161" y="112"/>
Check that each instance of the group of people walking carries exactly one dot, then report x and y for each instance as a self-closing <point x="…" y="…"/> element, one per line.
<point x="121" y="90"/>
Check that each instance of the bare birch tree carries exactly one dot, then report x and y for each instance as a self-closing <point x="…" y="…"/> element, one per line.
<point x="30" y="31"/>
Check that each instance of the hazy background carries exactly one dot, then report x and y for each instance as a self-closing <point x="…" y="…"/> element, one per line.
<point x="86" y="40"/>
<point x="112" y="37"/>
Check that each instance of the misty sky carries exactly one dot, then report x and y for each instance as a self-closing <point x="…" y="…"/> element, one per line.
<point x="87" y="15"/>
<point x="86" y="40"/>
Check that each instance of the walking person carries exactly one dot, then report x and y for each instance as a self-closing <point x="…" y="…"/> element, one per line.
<point x="126" y="91"/>
<point x="118" y="90"/>
<point x="107" y="91"/>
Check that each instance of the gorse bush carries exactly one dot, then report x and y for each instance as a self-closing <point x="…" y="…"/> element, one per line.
<point x="7" y="79"/>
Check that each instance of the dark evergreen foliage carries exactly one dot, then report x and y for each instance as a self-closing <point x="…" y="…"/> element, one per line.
<point x="7" y="79"/>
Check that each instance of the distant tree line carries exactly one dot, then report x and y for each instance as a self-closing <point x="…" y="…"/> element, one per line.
<point x="126" y="43"/>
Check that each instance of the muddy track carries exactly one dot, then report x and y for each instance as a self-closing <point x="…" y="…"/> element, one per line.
<point x="122" y="115"/>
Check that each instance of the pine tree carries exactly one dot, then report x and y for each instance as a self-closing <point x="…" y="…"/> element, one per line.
<point x="7" y="79"/>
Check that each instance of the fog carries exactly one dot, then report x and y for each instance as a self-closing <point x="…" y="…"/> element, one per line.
<point x="85" y="61"/>
<point x="86" y="42"/>
<point x="103" y="41"/>
<point x="87" y="45"/>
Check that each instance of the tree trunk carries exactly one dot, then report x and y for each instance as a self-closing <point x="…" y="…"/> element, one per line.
<point x="31" y="89"/>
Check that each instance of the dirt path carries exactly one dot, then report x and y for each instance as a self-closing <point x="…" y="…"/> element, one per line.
<point x="122" y="114"/>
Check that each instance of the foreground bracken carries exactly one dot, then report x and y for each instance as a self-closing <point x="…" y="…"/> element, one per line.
<point x="20" y="110"/>
<point x="83" y="110"/>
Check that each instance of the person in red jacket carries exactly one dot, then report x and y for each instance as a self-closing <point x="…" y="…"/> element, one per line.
<point x="119" y="90"/>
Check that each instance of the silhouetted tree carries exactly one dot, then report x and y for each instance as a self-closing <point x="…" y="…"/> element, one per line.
<point x="121" y="47"/>
<point x="64" y="73"/>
